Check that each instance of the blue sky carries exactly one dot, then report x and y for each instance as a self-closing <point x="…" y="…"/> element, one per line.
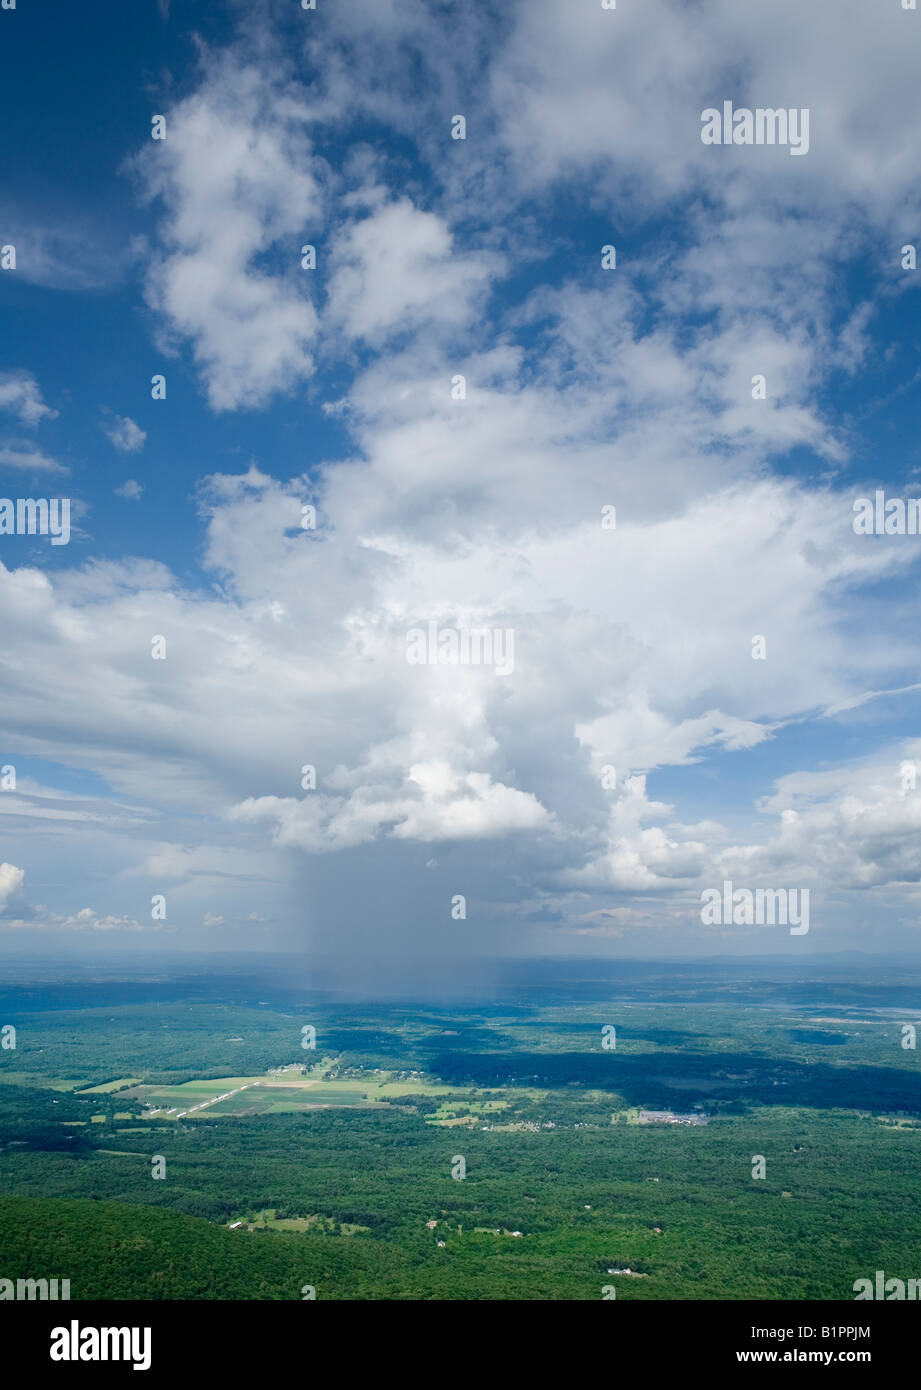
<point x="585" y="387"/>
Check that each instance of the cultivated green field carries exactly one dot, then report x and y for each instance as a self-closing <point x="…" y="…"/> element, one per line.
<point x="110" y="1086"/>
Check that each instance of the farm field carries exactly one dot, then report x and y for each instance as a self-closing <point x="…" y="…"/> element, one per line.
<point x="249" y="1095"/>
<point x="108" y="1087"/>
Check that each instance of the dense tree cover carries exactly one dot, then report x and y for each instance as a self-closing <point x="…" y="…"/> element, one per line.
<point x="678" y="1206"/>
<point x="40" y="1119"/>
<point x="724" y="1081"/>
<point x="110" y="1250"/>
<point x="837" y="1201"/>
